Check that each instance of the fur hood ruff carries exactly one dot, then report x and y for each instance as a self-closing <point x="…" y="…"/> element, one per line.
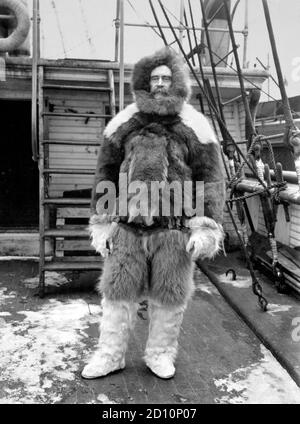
<point x="180" y="90"/>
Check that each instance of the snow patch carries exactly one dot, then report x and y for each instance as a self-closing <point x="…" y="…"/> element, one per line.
<point x="102" y="398"/>
<point x="207" y="288"/>
<point x="273" y="308"/>
<point x="240" y="282"/>
<point x="54" y="279"/>
<point x="263" y="382"/>
<point x="44" y="350"/>
<point x="5" y="297"/>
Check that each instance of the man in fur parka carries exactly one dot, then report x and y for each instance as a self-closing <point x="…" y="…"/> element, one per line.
<point x="161" y="138"/>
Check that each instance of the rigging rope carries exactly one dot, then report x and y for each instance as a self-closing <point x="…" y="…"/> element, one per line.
<point x="89" y="38"/>
<point x="59" y="26"/>
<point x="140" y="16"/>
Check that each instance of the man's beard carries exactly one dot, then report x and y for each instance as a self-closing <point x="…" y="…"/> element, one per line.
<point x="159" y="93"/>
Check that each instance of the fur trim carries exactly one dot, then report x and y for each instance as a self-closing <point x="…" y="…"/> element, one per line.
<point x="180" y="89"/>
<point x="101" y="230"/>
<point x="165" y="324"/>
<point x="206" y="239"/>
<point x="122" y="117"/>
<point x="117" y="320"/>
<point x="198" y="222"/>
<point x="98" y="219"/>
<point x="198" y="123"/>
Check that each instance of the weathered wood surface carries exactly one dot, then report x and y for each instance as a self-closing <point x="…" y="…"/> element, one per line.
<point x="220" y="360"/>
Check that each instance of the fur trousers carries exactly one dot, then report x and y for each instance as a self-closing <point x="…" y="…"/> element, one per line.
<point x="155" y="266"/>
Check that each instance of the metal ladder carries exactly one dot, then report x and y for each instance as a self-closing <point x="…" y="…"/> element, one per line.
<point x="46" y="202"/>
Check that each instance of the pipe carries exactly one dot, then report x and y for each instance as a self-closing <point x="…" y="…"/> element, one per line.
<point x="121" y="78"/>
<point x="35" y="59"/>
<point x="117" y="34"/>
<point x="238" y="31"/>
<point x="20" y="33"/>
<point x="246" y="32"/>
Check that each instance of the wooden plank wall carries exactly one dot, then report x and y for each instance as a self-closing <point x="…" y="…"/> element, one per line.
<point x="295" y="226"/>
<point x="286" y="232"/>
<point x="61" y="128"/>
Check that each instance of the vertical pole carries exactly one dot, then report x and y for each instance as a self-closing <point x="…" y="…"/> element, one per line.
<point x="35" y="59"/>
<point x="239" y="70"/>
<point x="285" y="101"/>
<point x="42" y="186"/>
<point x="121" y="75"/>
<point x="117" y="34"/>
<point x="292" y="134"/>
<point x="181" y="27"/>
<point x="213" y="67"/>
<point x="268" y="69"/>
<point x="246" y="32"/>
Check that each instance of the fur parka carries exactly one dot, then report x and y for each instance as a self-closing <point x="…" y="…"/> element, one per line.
<point x="161" y="140"/>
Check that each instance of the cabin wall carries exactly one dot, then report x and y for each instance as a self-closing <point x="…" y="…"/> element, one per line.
<point x="61" y="128"/>
<point x="285" y="232"/>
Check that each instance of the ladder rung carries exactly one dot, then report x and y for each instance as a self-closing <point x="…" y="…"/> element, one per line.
<point x="76" y="87"/>
<point x="66" y="201"/>
<point x="69" y="265"/>
<point x="73" y="142"/>
<point x="66" y="233"/>
<point x="69" y="171"/>
<point x="76" y="115"/>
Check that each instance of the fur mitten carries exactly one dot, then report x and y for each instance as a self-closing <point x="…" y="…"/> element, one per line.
<point x="101" y="232"/>
<point x="206" y="237"/>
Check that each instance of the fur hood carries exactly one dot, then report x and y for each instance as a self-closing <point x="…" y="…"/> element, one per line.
<point x="180" y="89"/>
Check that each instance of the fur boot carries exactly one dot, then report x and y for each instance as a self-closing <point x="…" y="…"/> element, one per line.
<point x="161" y="348"/>
<point x="117" y="320"/>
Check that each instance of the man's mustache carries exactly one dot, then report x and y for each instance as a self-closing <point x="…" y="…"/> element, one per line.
<point x="162" y="90"/>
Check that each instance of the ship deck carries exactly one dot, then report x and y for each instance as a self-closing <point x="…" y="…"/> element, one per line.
<point x="229" y="350"/>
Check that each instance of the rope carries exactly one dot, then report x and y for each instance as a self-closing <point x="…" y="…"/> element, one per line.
<point x="140" y="16"/>
<point x="297" y="166"/>
<point x="260" y="167"/>
<point x="59" y="27"/>
<point x="244" y="232"/>
<point x="87" y="33"/>
<point x="231" y="168"/>
<point x="274" y="249"/>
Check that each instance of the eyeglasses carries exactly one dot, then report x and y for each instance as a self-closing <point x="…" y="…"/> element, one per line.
<point x="165" y="78"/>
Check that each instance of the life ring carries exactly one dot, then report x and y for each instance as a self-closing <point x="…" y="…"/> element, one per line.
<point x="20" y="32"/>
